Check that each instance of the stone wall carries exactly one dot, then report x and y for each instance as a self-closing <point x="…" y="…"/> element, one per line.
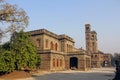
<point x="57" y="61"/>
<point x="45" y="61"/>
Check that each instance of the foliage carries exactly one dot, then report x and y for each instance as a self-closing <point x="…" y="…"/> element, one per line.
<point x="6" y="62"/>
<point x="19" y="54"/>
<point x="12" y="18"/>
<point x="25" y="51"/>
<point x="6" y="46"/>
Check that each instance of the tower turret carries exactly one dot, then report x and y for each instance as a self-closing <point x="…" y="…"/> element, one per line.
<point x="94" y="42"/>
<point x="88" y="37"/>
<point x="91" y="39"/>
<point x="87" y="28"/>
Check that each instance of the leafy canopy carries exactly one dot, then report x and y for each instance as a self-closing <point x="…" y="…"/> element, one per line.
<point x="19" y="54"/>
<point x="25" y="51"/>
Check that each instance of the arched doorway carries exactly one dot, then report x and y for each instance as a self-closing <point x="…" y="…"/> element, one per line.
<point x="73" y="63"/>
<point x="105" y="63"/>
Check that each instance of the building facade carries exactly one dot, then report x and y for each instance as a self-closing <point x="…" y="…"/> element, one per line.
<point x="58" y="52"/>
<point x="98" y="58"/>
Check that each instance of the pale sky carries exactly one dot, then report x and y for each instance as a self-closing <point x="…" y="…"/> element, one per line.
<point x="69" y="17"/>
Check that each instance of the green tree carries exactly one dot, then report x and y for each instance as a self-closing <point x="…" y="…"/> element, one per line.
<point x="6" y="59"/>
<point x="6" y="46"/>
<point x="6" y="62"/>
<point x="18" y="54"/>
<point x="25" y="51"/>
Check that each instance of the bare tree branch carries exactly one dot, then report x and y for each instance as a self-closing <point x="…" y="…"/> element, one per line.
<point x="15" y="18"/>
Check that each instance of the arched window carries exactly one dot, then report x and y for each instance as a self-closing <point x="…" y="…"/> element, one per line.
<point x="46" y="43"/>
<point x="92" y="56"/>
<point x="57" y="62"/>
<point x="51" y="46"/>
<point x="61" y="62"/>
<point x="95" y="56"/>
<point x="53" y="62"/>
<point x="56" y="46"/>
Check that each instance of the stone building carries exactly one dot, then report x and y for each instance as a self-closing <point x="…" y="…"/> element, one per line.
<point x="98" y="58"/>
<point x="58" y="52"/>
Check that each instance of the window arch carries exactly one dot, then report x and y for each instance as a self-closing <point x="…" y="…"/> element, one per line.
<point x="57" y="62"/>
<point x="56" y="46"/>
<point x="53" y="62"/>
<point x="61" y="62"/>
<point x="95" y="56"/>
<point x="51" y="46"/>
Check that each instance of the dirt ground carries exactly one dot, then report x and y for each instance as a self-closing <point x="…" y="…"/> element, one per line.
<point x="16" y="75"/>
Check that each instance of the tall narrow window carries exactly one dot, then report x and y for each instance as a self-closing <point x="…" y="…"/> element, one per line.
<point x="95" y="55"/>
<point x="56" y="46"/>
<point x="67" y="47"/>
<point x="70" y="48"/>
<point x="62" y="46"/>
<point x="57" y="62"/>
<point x="53" y="62"/>
<point x="51" y="46"/>
<point x="61" y="62"/>
<point x="38" y="43"/>
<point x="46" y="43"/>
<point x="92" y="38"/>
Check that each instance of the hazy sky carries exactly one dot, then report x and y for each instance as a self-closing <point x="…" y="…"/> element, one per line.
<point x="69" y="17"/>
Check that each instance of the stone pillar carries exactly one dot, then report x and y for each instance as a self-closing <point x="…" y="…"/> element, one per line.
<point x="81" y="65"/>
<point x="45" y="61"/>
<point x="67" y="63"/>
